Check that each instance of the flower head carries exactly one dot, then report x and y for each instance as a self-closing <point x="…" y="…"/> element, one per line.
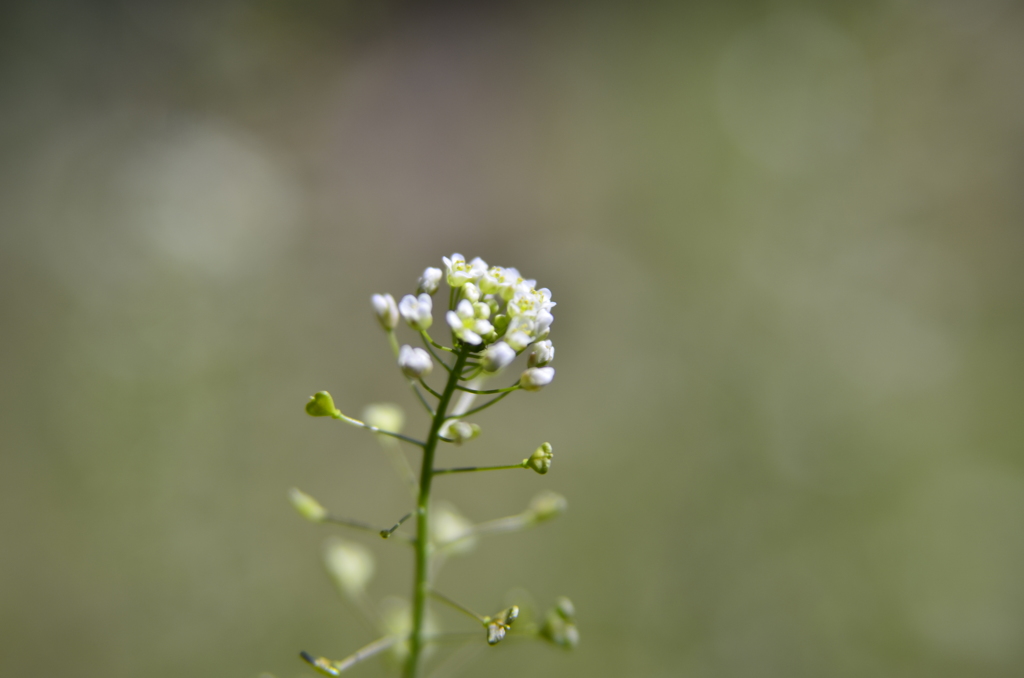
<point x="414" y="362"/>
<point x="416" y="311"/>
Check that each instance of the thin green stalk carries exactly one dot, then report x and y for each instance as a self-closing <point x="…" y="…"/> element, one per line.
<point x="480" y="407"/>
<point x="511" y="388"/>
<point x="471" y="469"/>
<point x="421" y="585"/>
<point x="360" y="424"/>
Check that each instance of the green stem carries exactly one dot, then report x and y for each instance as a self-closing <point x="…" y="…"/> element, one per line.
<point x="470" y="469"/>
<point x="480" y="407"/>
<point x="511" y="388"/>
<point x="421" y="585"/>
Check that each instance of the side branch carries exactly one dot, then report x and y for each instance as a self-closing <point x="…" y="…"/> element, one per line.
<point x="355" y="422"/>
<point x="470" y="469"/>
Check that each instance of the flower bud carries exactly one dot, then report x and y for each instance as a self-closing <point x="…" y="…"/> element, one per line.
<point x="497" y="356"/>
<point x="471" y="292"/>
<point x="349" y="564"/>
<point x="415" y="362"/>
<point x="540" y="460"/>
<point x="321" y="404"/>
<point x="547" y="505"/>
<point x="429" y="281"/>
<point x="386" y="310"/>
<point x="308" y="507"/>
<point x="541" y="354"/>
<point x="416" y="311"/>
<point x="559" y="625"/>
<point x="461" y="431"/>
<point x="535" y="378"/>
<point x="565" y="609"/>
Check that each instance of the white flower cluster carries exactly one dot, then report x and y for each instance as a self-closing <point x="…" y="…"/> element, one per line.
<point x="521" y="313"/>
<point x="495" y="308"/>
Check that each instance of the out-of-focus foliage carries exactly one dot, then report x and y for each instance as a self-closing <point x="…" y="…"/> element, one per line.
<point x="786" y="244"/>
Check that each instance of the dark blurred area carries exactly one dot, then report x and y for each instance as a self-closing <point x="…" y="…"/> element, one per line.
<point x="786" y="243"/>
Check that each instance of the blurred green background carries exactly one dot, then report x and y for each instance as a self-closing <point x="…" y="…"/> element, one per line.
<point x="785" y="240"/>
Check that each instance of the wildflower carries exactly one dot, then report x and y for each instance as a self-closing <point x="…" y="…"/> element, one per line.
<point x="429" y="281"/>
<point x="460" y="273"/>
<point x="535" y="378"/>
<point x="466" y="324"/>
<point x="386" y="310"/>
<point x="414" y="362"/>
<point x="541" y="354"/>
<point x="416" y="311"/>
<point x="497" y="356"/>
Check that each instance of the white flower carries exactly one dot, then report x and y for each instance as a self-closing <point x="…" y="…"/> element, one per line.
<point x="497" y="356"/>
<point x="415" y="362"/>
<point x="541" y="354"/>
<point x="500" y="281"/>
<point x="386" y="310"/>
<point x="465" y="323"/>
<point x="535" y="378"/>
<point x="460" y="273"/>
<point x="416" y="312"/>
<point x="429" y="281"/>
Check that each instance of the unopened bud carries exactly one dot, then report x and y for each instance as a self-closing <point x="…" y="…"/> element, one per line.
<point x="540" y="460"/>
<point x="547" y="505"/>
<point x="535" y="378"/>
<point x="429" y="281"/>
<point x="386" y="310"/>
<point x="565" y="609"/>
<point x="495" y="633"/>
<point x="414" y="362"/>
<point x="541" y="354"/>
<point x="559" y="628"/>
<point x="321" y="404"/>
<point x="461" y="431"/>
<point x="497" y="356"/>
<point x="308" y="507"/>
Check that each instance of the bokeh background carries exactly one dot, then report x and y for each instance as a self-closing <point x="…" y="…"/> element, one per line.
<point x="785" y="239"/>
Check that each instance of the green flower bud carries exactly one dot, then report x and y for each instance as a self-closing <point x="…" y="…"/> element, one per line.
<point x="540" y="460"/>
<point x="321" y="404"/>
<point x="547" y="505"/>
<point x="558" y="629"/>
<point x="565" y="609"/>
<point x="308" y="507"/>
<point x="500" y="324"/>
